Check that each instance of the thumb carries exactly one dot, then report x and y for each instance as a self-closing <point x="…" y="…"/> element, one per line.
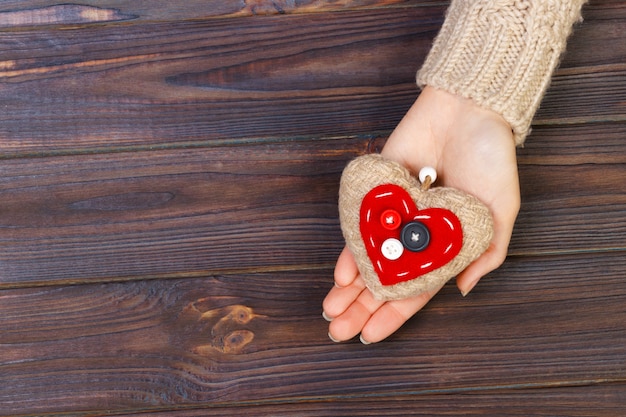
<point x="487" y="262"/>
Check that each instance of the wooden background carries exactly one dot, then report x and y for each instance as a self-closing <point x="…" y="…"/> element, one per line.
<point x="168" y="221"/>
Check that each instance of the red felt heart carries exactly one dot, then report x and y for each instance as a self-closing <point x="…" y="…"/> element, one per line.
<point x="384" y="213"/>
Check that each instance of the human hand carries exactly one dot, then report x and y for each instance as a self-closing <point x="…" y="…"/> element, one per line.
<point x="472" y="150"/>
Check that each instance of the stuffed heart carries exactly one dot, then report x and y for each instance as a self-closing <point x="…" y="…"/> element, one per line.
<point x="407" y="239"/>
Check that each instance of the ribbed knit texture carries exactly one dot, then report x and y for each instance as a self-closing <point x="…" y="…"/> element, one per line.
<point x="501" y="54"/>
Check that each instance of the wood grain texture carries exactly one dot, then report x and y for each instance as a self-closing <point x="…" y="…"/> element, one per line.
<point x="329" y="74"/>
<point x="576" y="144"/>
<point x="186" y="213"/>
<point x="571" y="209"/>
<point x="60" y="14"/>
<point x="168" y="221"/>
<point x="591" y="400"/>
<point x="171" y="213"/>
<point x="19" y="13"/>
<point x="154" y="84"/>
<point x="260" y="337"/>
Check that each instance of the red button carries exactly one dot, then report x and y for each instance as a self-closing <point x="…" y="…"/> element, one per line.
<point x="390" y="219"/>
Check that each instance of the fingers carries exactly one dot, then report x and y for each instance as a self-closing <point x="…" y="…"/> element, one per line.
<point x="339" y="299"/>
<point x="495" y="255"/>
<point x="487" y="262"/>
<point x="392" y="315"/>
<point x="354" y="310"/>
<point x="355" y="317"/>
<point x="345" y="270"/>
<point x="348" y="286"/>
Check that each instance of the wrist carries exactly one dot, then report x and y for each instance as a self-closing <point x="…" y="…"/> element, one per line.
<point x="500" y="54"/>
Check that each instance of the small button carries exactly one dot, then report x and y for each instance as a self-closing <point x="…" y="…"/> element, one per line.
<point x="392" y="249"/>
<point x="415" y="236"/>
<point x="390" y="219"/>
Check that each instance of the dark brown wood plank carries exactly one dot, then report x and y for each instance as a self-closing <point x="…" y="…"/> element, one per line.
<point x="28" y="13"/>
<point x="574" y="145"/>
<point x="598" y="41"/>
<point x="171" y="213"/>
<point x="112" y="87"/>
<point x="592" y="67"/>
<point x="595" y="94"/>
<point x="154" y="84"/>
<point x="559" y="209"/>
<point x="240" y="339"/>
<point x="184" y="213"/>
<point x="119" y="169"/>
<point x="555" y="401"/>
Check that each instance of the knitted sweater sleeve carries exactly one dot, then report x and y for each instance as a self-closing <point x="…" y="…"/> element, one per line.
<point x="501" y="54"/>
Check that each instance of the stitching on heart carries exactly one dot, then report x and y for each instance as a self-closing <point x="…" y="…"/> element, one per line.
<point x="367" y="172"/>
<point x="441" y="227"/>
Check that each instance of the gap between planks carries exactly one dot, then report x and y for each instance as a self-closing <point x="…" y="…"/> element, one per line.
<point x="259" y="270"/>
<point x="200" y="144"/>
<point x="172" y="276"/>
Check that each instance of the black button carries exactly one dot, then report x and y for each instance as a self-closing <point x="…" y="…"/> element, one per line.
<point x="415" y="236"/>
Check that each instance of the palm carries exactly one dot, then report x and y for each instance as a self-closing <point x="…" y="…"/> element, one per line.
<point x="473" y="151"/>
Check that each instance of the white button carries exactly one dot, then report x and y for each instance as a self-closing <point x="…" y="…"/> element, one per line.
<point x="392" y="249"/>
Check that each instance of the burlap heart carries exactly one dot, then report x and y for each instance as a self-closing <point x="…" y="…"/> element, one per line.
<point x="370" y="171"/>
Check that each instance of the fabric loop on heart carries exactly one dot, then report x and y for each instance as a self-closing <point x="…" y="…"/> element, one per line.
<point x="426" y="184"/>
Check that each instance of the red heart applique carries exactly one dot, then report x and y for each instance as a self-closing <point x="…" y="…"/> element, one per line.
<point x="403" y="242"/>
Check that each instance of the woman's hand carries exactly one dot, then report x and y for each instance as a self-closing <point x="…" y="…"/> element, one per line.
<point x="472" y="150"/>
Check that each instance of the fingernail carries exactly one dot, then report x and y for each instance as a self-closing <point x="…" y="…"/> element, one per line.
<point x="329" y="319"/>
<point x="365" y="342"/>
<point x="330" y="336"/>
<point x="469" y="288"/>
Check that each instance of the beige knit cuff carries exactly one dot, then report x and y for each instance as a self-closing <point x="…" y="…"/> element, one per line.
<point x="501" y="54"/>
